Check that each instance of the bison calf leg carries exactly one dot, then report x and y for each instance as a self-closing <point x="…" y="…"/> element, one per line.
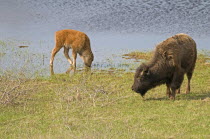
<point x="51" y="70"/>
<point x="66" y="53"/>
<point x="74" y="55"/>
<point x="54" y="52"/>
<point x="69" y="69"/>
<point x="72" y="62"/>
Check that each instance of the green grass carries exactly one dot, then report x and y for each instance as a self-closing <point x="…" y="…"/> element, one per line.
<point x="102" y="105"/>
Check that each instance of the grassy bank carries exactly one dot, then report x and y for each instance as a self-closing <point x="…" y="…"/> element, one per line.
<point x="102" y="105"/>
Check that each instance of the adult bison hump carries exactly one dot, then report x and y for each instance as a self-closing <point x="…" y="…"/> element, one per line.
<point x="172" y="58"/>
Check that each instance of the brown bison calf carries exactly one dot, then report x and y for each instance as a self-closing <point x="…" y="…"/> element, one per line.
<point x="75" y="40"/>
<point x="171" y="60"/>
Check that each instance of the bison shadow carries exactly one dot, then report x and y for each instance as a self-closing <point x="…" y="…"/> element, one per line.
<point x="191" y="96"/>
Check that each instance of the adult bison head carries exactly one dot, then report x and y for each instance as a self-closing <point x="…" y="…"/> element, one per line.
<point x="142" y="80"/>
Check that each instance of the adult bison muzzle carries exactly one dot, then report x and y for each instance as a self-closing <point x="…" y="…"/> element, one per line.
<point x="171" y="60"/>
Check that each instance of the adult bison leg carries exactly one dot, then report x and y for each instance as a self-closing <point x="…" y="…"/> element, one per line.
<point x="189" y="76"/>
<point x="168" y="90"/>
<point x="176" y="82"/>
<point x="178" y="91"/>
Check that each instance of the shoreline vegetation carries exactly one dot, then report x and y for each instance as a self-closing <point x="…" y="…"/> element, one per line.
<point x="101" y="104"/>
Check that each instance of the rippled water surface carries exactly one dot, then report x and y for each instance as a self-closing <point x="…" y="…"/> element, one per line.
<point x="114" y="27"/>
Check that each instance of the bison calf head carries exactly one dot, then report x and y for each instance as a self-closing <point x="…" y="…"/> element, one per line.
<point x="142" y="80"/>
<point x="87" y="58"/>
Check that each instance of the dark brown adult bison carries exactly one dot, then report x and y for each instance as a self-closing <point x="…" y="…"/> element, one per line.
<point x="171" y="60"/>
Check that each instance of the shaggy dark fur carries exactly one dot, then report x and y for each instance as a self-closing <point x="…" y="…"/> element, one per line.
<point x="171" y="60"/>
